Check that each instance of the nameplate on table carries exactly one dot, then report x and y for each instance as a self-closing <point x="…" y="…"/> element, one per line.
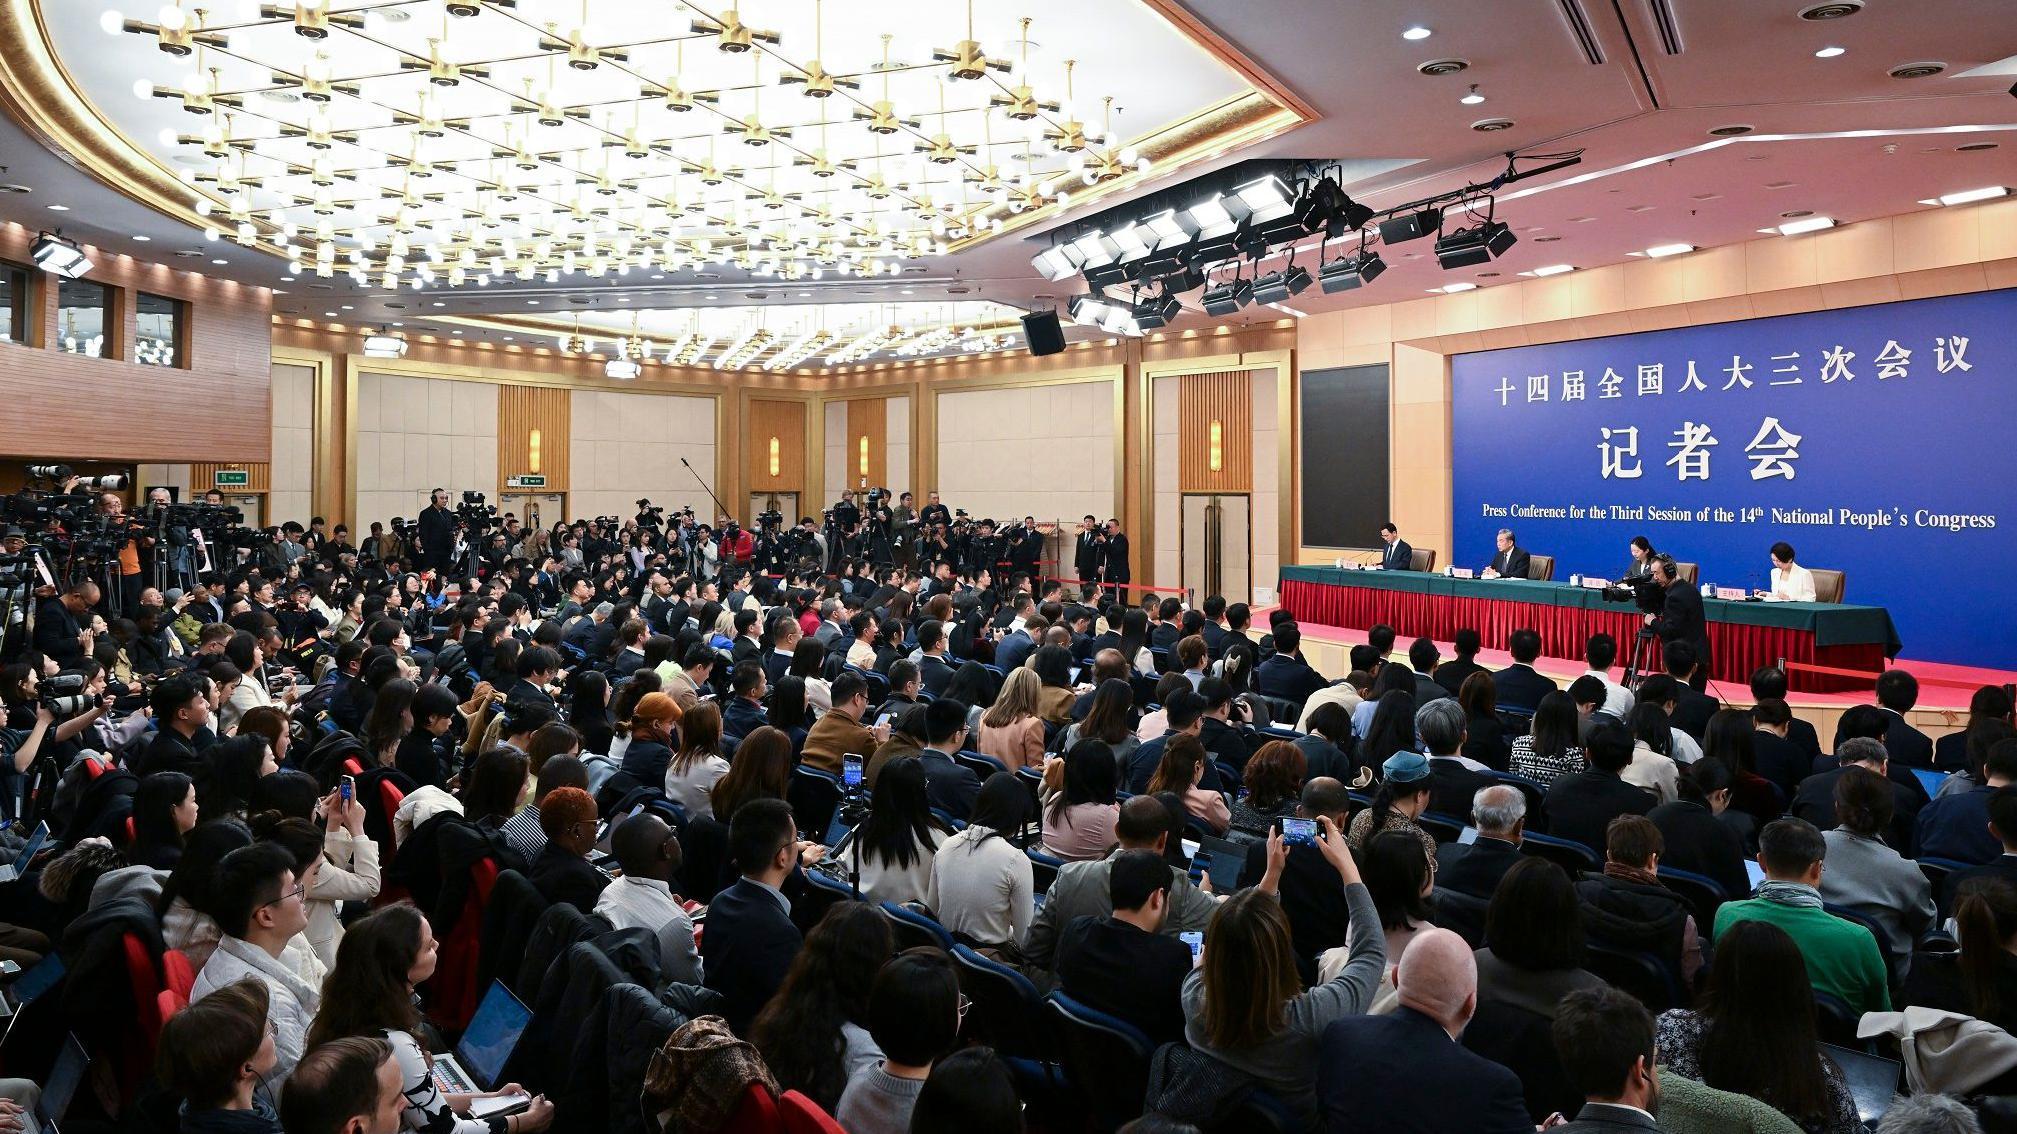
<point x="1732" y="594"/>
<point x="1462" y="573"/>
<point x="1592" y="583"/>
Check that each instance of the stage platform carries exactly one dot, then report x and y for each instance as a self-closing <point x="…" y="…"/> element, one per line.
<point x="1944" y="689"/>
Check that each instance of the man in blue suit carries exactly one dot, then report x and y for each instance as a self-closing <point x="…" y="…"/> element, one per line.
<point x="750" y="940"/>
<point x="949" y="785"/>
<point x="1398" y="556"/>
<point x="1407" y="1071"/>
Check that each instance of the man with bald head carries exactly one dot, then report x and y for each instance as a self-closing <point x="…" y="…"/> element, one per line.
<point x="1406" y="1071"/>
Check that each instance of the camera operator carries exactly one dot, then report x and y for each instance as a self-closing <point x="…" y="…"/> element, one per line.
<point x="1026" y="548"/>
<point x="935" y="548"/>
<point x="903" y="530"/>
<point x="985" y="549"/>
<point x="436" y="547"/>
<point x="119" y="531"/>
<point x="935" y="513"/>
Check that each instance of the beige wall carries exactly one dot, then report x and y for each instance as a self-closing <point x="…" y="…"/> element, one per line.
<point x="835" y="448"/>
<point x="896" y="441"/>
<point x="417" y="434"/>
<point x="1912" y="256"/>
<point x="290" y="486"/>
<point x="624" y="447"/>
<point x="1043" y="451"/>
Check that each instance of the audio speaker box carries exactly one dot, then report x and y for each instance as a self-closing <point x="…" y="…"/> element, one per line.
<point x="1044" y="333"/>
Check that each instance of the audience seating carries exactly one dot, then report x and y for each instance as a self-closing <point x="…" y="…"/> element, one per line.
<point x="1642" y="974"/>
<point x="1105" y="1057"/>
<point x="1524" y="1042"/>
<point x="912" y="928"/>
<point x="453" y="992"/>
<point x="1834" y="1021"/>
<point x="1703" y="893"/>
<point x="1007" y="1014"/>
<point x="1258" y="1111"/>
<point x="1282" y="710"/>
<point x="980" y="763"/>
<point x="1445" y="828"/>
<point x="1541" y="568"/>
<point x="1043" y="868"/>
<point x="1571" y="856"/>
<point x="801" y="1115"/>
<point x="813" y="796"/>
<point x="1461" y="913"/>
<point x="1535" y="795"/>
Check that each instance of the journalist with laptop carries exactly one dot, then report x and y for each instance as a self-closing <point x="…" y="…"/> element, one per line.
<point x="382" y="959"/>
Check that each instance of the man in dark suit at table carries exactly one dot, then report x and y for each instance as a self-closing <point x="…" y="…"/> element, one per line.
<point x="1399" y="556"/>
<point x="1681" y="618"/>
<point x="1511" y="562"/>
<point x="1519" y="687"/>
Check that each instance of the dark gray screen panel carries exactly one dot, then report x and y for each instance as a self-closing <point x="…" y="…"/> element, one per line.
<point x="1344" y="451"/>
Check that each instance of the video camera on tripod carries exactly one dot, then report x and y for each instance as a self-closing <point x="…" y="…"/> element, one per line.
<point x="475" y="514"/>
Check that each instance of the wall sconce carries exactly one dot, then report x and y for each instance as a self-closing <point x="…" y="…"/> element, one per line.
<point x="861" y="460"/>
<point x="532" y="451"/>
<point x="1218" y="453"/>
<point x="774" y="466"/>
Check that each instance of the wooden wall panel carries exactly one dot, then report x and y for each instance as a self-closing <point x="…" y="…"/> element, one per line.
<point x="867" y="419"/>
<point x="522" y="409"/>
<point x="786" y="422"/>
<point x="203" y="477"/>
<point x="217" y="407"/>
<point x="1228" y="399"/>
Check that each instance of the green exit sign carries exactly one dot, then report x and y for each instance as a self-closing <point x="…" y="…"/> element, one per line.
<point x="233" y="478"/>
<point x="525" y="481"/>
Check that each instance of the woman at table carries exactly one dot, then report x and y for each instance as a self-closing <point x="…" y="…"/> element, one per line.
<point x="1790" y="580"/>
<point x="1642" y="560"/>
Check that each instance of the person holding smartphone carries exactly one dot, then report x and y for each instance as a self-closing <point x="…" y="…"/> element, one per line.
<point x="1124" y="964"/>
<point x="842" y="730"/>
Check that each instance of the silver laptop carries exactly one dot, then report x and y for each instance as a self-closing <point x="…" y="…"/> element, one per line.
<point x="10" y="871"/>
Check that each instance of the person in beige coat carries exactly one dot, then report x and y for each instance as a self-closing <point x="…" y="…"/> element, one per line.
<point x="349" y="873"/>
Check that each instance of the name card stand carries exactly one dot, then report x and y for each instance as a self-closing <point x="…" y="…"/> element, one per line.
<point x="1462" y="573"/>
<point x="1592" y="583"/>
<point x="1732" y="594"/>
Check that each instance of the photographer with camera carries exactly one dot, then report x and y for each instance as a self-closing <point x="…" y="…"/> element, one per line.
<point x="435" y="549"/>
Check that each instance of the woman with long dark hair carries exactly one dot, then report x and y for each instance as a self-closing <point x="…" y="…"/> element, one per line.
<point x="1535" y="946"/>
<point x="761" y="769"/>
<point x="982" y="887"/>
<point x="390" y="721"/>
<point x="1134" y="643"/>
<point x="1054" y="667"/>
<point x="892" y="849"/>
<point x="1400" y="876"/>
<point x="813" y="1034"/>
<point x="1981" y="979"/>
<point x="697" y="765"/>
<point x="1652" y="767"/>
<point x="370" y="992"/>
<point x="1990" y="703"/>
<point x="426" y="753"/>
<point x="1484" y="737"/>
<point x="234" y="765"/>
<point x="1731" y="738"/>
<point x="588" y="711"/>
<point x="164" y="811"/>
<point x="1753" y="1033"/>
<point x="789" y="712"/>
<point x="1554" y="747"/>
<point x="1110" y="719"/>
<point x="808" y="664"/>
<point x="1079" y="817"/>
<point x="1391" y="729"/>
<point x="1182" y="771"/>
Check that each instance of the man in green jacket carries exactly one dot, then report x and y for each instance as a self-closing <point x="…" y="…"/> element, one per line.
<point x="1843" y="959"/>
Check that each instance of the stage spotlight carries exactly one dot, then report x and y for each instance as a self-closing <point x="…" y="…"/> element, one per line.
<point x="1088" y="309"/>
<point x="1157" y="311"/>
<point x="1479" y="244"/>
<point x="1227" y="298"/>
<point x="59" y="257"/>
<point x="1278" y="286"/>
<point x="1185" y="278"/>
<point x="384" y="344"/>
<point x="1410" y="226"/>
<point x="1351" y="272"/>
<point x="1099" y="256"/>
<point x="1056" y="262"/>
<point x="1325" y="208"/>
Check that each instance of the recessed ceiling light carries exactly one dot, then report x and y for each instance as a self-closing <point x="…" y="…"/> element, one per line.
<point x="532" y="303"/>
<point x="1473" y="98"/>
<point x="1661" y="251"/>
<point x="910" y="291"/>
<point x="287" y="279"/>
<point x="142" y="239"/>
<point x="439" y="303"/>
<point x="1830" y="52"/>
<point x="1453" y="288"/>
<point x="511" y="338"/>
<point x="59" y="208"/>
<point x="1969" y="196"/>
<point x="623" y="299"/>
<point x="1803" y="225"/>
<point x="348" y="307"/>
<point x="1416" y="32"/>
<point x="220" y="261"/>
<point x="329" y="314"/>
<point x="1553" y="270"/>
<point x="455" y="332"/>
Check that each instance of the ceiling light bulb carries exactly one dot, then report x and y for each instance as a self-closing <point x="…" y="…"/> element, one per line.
<point x="1970" y="196"/>
<point x="1554" y="270"/>
<point x="1658" y="251"/>
<point x="111" y="21"/>
<point x="1473" y="98"/>
<point x="1416" y="32"/>
<point x="143" y="88"/>
<point x="1830" y="52"/>
<point x="172" y="18"/>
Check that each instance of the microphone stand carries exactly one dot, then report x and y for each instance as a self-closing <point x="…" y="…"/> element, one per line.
<point x="710" y="492"/>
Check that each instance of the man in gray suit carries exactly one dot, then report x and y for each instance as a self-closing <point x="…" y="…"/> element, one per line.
<point x="1081" y="889"/>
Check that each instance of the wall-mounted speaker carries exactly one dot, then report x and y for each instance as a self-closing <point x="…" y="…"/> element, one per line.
<point x="1044" y="333"/>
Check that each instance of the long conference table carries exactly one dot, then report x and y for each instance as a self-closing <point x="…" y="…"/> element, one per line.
<point x="1742" y="635"/>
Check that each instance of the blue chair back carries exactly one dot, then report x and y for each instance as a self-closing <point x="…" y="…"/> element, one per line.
<point x="911" y="928"/>
<point x="1705" y="895"/>
<point x="1535" y="795"/>
<point x="981" y="763"/>
<point x="1105" y="1057"/>
<point x="813" y="795"/>
<point x="1043" y="869"/>
<point x="1568" y="854"/>
<point x="1007" y="1012"/>
<point x="1851" y="913"/>
<point x="1445" y="828"/>
<point x="1642" y="974"/>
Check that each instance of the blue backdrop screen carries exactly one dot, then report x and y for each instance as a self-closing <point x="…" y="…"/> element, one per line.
<point x="1880" y="440"/>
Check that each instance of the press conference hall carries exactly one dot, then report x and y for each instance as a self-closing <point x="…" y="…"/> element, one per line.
<point x="1110" y="567"/>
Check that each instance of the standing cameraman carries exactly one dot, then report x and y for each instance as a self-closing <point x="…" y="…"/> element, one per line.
<point x="112" y="507"/>
<point x="436" y="550"/>
<point x="903" y="531"/>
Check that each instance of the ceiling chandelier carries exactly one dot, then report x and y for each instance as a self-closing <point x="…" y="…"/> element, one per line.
<point x="426" y="143"/>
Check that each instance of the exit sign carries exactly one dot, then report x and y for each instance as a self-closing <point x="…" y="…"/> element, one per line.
<point x="525" y="482"/>
<point x="234" y="478"/>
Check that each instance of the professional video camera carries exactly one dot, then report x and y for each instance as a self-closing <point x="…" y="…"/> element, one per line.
<point x="476" y="515"/>
<point x="769" y="521"/>
<point x="650" y="515"/>
<point x="1645" y="594"/>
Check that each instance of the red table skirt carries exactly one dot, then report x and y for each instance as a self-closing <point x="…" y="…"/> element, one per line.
<point x="1735" y="650"/>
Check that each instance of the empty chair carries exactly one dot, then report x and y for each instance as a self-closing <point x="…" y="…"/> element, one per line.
<point x="1105" y="1057"/>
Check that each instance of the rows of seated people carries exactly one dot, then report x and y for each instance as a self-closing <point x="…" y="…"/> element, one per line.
<point x="910" y="853"/>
